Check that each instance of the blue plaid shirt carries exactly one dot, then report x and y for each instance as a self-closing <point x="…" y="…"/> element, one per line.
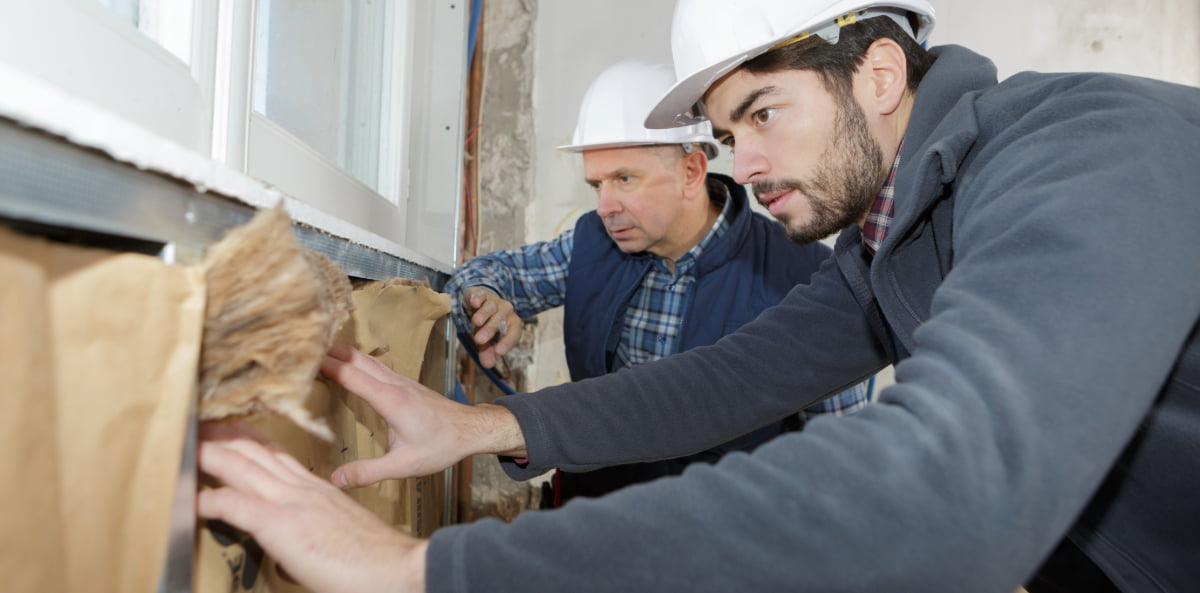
<point x="534" y="279"/>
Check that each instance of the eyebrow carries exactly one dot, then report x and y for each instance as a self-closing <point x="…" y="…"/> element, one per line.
<point x="618" y="172"/>
<point x="738" y="112"/>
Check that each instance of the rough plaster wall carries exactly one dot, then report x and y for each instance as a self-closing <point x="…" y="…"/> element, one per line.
<point x="507" y="132"/>
<point x="1155" y="38"/>
<point x="506" y="174"/>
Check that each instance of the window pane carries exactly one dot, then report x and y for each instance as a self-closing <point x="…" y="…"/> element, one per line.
<point x="167" y="22"/>
<point x="322" y="72"/>
<point x="126" y="10"/>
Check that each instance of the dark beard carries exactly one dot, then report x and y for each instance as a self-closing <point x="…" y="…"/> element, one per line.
<point x="846" y="182"/>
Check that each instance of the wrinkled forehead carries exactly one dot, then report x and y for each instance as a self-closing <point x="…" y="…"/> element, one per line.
<point x="603" y="163"/>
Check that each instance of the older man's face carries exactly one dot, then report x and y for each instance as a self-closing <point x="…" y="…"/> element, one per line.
<point x="640" y="197"/>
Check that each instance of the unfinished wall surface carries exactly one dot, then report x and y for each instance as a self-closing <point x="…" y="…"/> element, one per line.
<point x="507" y="135"/>
<point x="507" y="132"/>
<point x="1155" y="38"/>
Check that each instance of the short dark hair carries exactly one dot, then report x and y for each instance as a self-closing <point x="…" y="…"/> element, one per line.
<point x="836" y="63"/>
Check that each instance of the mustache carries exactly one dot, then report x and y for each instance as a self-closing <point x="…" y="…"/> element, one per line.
<point x="775" y="185"/>
<point x="616" y="223"/>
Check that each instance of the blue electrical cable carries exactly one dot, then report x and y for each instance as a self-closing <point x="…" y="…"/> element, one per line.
<point x="476" y="10"/>
<point x="469" y="346"/>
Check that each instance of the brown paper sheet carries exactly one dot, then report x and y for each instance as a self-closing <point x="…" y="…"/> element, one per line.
<point x="31" y="535"/>
<point x="113" y="352"/>
<point x="392" y="321"/>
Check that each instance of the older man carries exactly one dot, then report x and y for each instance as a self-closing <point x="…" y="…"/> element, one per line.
<point x="672" y="258"/>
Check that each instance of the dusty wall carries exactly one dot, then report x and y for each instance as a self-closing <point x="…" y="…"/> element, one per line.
<point x="506" y="180"/>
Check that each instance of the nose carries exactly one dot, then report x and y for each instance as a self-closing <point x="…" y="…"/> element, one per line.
<point x="606" y="201"/>
<point x="749" y="162"/>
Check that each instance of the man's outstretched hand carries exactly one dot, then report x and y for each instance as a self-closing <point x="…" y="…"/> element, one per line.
<point x="325" y="540"/>
<point x="427" y="432"/>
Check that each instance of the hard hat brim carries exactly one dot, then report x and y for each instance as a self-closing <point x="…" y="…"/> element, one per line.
<point x="711" y="148"/>
<point x="681" y="99"/>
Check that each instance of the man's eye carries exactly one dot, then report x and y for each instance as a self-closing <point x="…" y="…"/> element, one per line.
<point x="763" y="116"/>
<point x="625" y="178"/>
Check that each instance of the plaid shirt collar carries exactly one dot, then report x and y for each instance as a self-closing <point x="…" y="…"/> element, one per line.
<point x="875" y="228"/>
<point x="719" y="193"/>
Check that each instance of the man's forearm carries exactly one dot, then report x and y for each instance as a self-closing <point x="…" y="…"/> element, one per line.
<point x="494" y="429"/>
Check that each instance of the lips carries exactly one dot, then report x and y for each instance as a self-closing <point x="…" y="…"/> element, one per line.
<point x="775" y="200"/>
<point x="615" y="230"/>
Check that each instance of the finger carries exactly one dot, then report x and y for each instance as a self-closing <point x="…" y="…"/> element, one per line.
<point x="365" y="362"/>
<point x="510" y="338"/>
<point x="365" y="472"/>
<point x="496" y="326"/>
<point x="235" y="469"/>
<point x="476" y="296"/>
<point x="341" y="351"/>
<point x="357" y="381"/>
<point x="385" y="398"/>
<point x="484" y="336"/>
<point x="487" y="312"/>
<point x="487" y="356"/>
<point x="275" y="460"/>
<point x="231" y="506"/>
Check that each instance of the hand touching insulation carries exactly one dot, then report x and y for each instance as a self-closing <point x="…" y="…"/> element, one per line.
<point x="427" y="432"/>
<point x="325" y="540"/>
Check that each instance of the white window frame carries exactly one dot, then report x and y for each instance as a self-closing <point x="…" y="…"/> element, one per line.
<point x="83" y="48"/>
<point x="87" y="52"/>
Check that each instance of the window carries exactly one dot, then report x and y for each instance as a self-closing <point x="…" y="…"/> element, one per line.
<point x="353" y="107"/>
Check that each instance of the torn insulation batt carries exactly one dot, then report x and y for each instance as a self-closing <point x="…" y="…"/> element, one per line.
<point x="272" y="312"/>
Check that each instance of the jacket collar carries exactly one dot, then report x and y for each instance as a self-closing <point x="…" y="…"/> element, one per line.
<point x="737" y="215"/>
<point x="720" y="249"/>
<point x="941" y="131"/>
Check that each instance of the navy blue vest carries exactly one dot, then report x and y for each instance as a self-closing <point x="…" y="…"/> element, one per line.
<point x="749" y="268"/>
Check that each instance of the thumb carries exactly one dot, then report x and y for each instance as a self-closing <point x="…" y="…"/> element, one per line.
<point x="363" y="472"/>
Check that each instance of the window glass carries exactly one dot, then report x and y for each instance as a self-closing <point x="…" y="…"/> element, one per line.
<point x="126" y="10"/>
<point x="167" y="22"/>
<point x="322" y="72"/>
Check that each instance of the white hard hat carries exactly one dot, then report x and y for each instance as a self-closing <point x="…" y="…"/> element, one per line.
<point x="615" y="107"/>
<point x="709" y="38"/>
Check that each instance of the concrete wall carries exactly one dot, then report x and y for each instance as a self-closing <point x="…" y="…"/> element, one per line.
<point x="576" y="40"/>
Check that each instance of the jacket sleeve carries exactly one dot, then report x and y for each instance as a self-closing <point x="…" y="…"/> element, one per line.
<point x="533" y="278"/>
<point x="1076" y="282"/>
<point x="706" y="396"/>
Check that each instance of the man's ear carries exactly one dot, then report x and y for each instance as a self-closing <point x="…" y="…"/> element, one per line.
<point x="886" y="69"/>
<point x="695" y="171"/>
